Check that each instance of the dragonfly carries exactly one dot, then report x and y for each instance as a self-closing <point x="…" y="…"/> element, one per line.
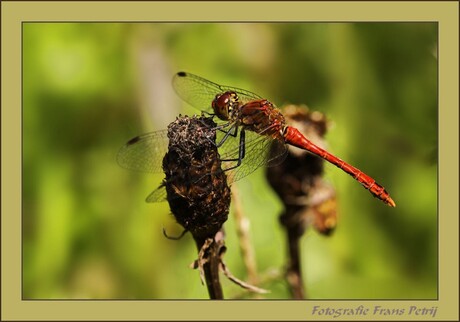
<point x="250" y="124"/>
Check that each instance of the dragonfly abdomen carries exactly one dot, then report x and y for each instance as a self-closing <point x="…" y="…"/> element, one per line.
<point x="293" y="137"/>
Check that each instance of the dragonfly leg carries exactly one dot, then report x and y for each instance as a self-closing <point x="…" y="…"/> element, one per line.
<point x="241" y="149"/>
<point x="241" y="152"/>
<point x="220" y="128"/>
<point x="217" y="127"/>
<point x="233" y="128"/>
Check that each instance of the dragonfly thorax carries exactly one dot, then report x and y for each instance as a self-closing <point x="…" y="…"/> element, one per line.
<point x="225" y="104"/>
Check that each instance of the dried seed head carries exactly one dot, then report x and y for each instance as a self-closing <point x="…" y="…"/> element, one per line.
<point x="196" y="187"/>
<point x="298" y="180"/>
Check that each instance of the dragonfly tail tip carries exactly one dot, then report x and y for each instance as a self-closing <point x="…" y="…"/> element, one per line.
<point x="390" y="202"/>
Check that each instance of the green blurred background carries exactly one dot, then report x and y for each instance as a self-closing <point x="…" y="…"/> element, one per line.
<point x="90" y="87"/>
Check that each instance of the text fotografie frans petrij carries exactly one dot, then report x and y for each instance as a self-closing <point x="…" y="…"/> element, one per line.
<point x="376" y="310"/>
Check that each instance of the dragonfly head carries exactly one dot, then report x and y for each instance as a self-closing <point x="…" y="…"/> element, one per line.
<point x="224" y="104"/>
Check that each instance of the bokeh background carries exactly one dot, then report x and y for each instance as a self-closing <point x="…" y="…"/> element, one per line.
<point x="90" y="87"/>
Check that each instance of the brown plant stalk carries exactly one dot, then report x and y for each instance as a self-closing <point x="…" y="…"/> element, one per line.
<point x="307" y="199"/>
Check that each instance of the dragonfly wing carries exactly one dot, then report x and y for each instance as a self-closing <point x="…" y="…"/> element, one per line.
<point x="257" y="154"/>
<point x="144" y="153"/>
<point x="157" y="195"/>
<point x="200" y="92"/>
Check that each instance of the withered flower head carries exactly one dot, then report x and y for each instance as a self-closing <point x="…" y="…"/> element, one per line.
<point x="307" y="199"/>
<point x="196" y="186"/>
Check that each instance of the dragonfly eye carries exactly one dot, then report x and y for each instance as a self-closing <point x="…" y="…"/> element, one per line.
<point x="221" y="101"/>
<point x="223" y="104"/>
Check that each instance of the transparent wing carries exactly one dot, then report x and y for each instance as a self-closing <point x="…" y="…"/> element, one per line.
<point x="157" y="195"/>
<point x="144" y="153"/>
<point x="200" y="92"/>
<point x="257" y="154"/>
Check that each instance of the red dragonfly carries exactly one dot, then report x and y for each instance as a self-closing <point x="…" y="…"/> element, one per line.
<point x="259" y="123"/>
